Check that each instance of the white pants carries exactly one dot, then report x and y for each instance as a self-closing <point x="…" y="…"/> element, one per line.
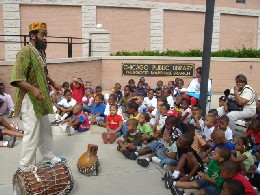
<point x="38" y="133"/>
<point x="239" y="115"/>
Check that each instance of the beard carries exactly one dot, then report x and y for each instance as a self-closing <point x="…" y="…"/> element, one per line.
<point x="40" y="45"/>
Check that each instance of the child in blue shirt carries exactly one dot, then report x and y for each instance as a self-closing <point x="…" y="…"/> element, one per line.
<point x="98" y="110"/>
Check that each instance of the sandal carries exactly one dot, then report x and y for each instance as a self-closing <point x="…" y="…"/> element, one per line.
<point x="129" y="155"/>
<point x="113" y="137"/>
<point x="104" y="137"/>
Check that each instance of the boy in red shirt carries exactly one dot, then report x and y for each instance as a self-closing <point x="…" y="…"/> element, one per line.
<point x="254" y="134"/>
<point x="77" y="88"/>
<point x="229" y="170"/>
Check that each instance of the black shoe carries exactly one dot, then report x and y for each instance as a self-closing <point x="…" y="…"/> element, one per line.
<point x="166" y="176"/>
<point x="11" y="142"/>
<point x="143" y="162"/>
<point x="55" y="123"/>
<point x="169" y="181"/>
<point x="176" y="191"/>
<point x="129" y="155"/>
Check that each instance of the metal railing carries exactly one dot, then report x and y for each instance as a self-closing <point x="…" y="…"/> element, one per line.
<point x="70" y="42"/>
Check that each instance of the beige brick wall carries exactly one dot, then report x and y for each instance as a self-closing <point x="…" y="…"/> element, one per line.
<point x="129" y="28"/>
<point x="223" y="73"/>
<point x="238" y="31"/>
<point x="250" y="4"/>
<point x="2" y="47"/>
<point x="183" y="30"/>
<point x="61" y="21"/>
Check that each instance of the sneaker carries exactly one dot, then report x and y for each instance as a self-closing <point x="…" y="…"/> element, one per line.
<point x="58" y="159"/>
<point x="104" y="137"/>
<point x="166" y="176"/>
<point x="55" y="123"/>
<point x="143" y="162"/>
<point x="11" y="142"/>
<point x="62" y="128"/>
<point x="69" y="131"/>
<point x="129" y="155"/>
<point x="156" y="160"/>
<point x="169" y="182"/>
<point x="176" y="191"/>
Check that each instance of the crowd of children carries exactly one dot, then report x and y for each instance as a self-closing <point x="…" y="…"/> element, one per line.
<point x="197" y="152"/>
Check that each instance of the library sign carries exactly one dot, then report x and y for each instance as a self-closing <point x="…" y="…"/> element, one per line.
<point x="180" y="70"/>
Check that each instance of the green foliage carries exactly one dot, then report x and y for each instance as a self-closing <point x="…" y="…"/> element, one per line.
<point x="240" y="53"/>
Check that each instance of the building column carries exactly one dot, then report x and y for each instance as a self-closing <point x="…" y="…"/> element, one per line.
<point x="88" y="24"/>
<point x="100" y="43"/>
<point x="156" y="32"/>
<point x="11" y="16"/>
<point x="216" y="32"/>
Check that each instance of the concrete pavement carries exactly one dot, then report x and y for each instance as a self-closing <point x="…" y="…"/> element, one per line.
<point x="118" y="175"/>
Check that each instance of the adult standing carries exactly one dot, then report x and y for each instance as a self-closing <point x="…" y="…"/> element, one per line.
<point x="6" y="105"/>
<point x="244" y="96"/>
<point x="32" y="100"/>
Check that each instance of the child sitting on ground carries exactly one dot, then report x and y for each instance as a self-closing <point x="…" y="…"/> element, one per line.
<point x="197" y="120"/>
<point x="254" y="134"/>
<point x="131" y="83"/>
<point x="233" y="187"/>
<point x="124" y="101"/>
<point x="132" y="111"/>
<point x="177" y="103"/>
<point x="77" y="88"/>
<point x="98" y="110"/>
<point x="186" y="110"/>
<point x="223" y="122"/>
<point x="64" y="107"/>
<point x="168" y="94"/>
<point x="219" y="138"/>
<point x="98" y="91"/>
<point x="78" y="121"/>
<point x="88" y="100"/>
<point x="214" y="112"/>
<point x="210" y="183"/>
<point x="111" y="100"/>
<point x="118" y="93"/>
<point x="10" y="131"/>
<point x="112" y="91"/>
<point x="144" y="128"/>
<point x="199" y="143"/>
<point x="229" y="170"/>
<point x="243" y="156"/>
<point x="140" y="88"/>
<point x="171" y="131"/>
<point x="113" y="125"/>
<point x="221" y="109"/>
<point x="208" y="129"/>
<point x="151" y="103"/>
<point x="161" y="120"/>
<point x="132" y="141"/>
<point x="189" y="163"/>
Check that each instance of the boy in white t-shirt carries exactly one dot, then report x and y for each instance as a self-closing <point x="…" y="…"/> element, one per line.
<point x="223" y="122"/>
<point x="64" y="107"/>
<point x="186" y="110"/>
<point x="209" y="128"/>
<point x="151" y="103"/>
<point x="197" y="120"/>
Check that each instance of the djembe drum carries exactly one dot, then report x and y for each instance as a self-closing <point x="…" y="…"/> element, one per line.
<point x="88" y="163"/>
<point x="48" y="179"/>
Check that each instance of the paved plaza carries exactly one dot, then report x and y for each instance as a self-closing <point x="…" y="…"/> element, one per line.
<point x="118" y="175"/>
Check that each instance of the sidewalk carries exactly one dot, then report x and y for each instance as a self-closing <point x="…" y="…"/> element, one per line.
<point x="118" y="175"/>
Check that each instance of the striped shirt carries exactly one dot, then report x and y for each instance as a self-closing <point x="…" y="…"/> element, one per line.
<point x="31" y="68"/>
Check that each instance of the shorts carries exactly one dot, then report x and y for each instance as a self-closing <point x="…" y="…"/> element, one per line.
<point x="207" y="187"/>
<point x="1" y="135"/>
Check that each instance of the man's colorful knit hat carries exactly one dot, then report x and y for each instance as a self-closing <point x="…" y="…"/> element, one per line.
<point x="37" y="26"/>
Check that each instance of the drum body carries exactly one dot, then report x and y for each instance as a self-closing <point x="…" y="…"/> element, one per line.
<point x="88" y="163"/>
<point x="49" y="180"/>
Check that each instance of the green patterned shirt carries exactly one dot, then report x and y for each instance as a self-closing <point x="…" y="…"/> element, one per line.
<point x="30" y="67"/>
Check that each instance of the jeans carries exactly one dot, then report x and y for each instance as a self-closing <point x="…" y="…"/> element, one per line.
<point x="165" y="160"/>
<point x="87" y="108"/>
